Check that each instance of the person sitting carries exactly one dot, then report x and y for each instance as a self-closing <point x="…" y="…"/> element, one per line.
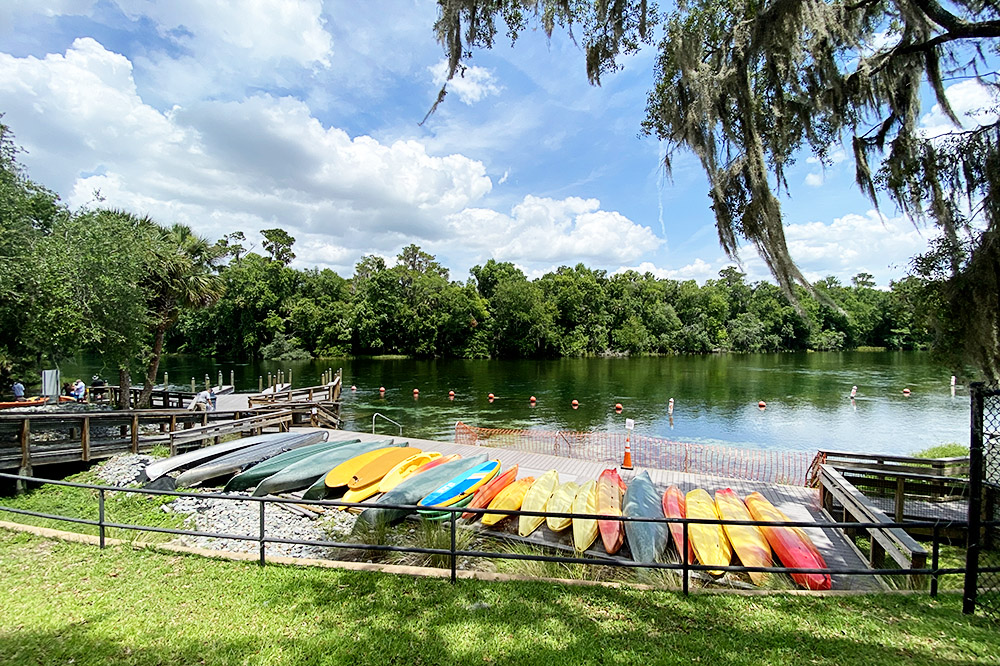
<point x="79" y="390"/>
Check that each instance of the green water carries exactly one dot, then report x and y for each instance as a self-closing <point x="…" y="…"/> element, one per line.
<point x="715" y="397"/>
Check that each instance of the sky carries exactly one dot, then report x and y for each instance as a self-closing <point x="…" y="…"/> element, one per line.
<point x="306" y="115"/>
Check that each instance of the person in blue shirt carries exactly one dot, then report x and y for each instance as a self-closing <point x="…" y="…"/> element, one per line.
<point x="18" y="389"/>
<point x="79" y="390"/>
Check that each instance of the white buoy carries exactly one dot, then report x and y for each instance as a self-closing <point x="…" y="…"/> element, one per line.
<point x="953" y="380"/>
<point x="854" y="391"/>
<point x="670" y="406"/>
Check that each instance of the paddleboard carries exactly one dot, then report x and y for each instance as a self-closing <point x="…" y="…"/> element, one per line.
<point x="585" y="529"/>
<point x="748" y="541"/>
<point x="561" y="502"/>
<point x="647" y="541"/>
<point x="536" y="499"/>
<point x="378" y="468"/>
<point x="463" y="485"/>
<point x="435" y="515"/>
<point x="609" y="503"/>
<point x="508" y="499"/>
<point x="792" y="545"/>
<point x="674" y="507"/>
<point x="404" y="469"/>
<point x="711" y="546"/>
<point x="485" y="495"/>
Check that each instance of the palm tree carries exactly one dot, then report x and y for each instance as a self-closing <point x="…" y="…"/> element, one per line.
<point x="181" y="277"/>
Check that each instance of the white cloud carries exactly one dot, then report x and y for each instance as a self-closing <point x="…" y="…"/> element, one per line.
<point x="225" y="166"/>
<point x="543" y="230"/>
<point x="814" y="179"/>
<point x="972" y="102"/>
<point x="699" y="270"/>
<point x="471" y="84"/>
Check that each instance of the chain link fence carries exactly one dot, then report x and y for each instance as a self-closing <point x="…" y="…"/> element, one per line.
<point x="982" y="577"/>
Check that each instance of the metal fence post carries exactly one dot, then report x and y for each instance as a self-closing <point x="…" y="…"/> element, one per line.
<point x="100" y="516"/>
<point x="261" y="536"/>
<point x="975" y="500"/>
<point x="935" y="554"/>
<point x="454" y="573"/>
<point x="684" y="556"/>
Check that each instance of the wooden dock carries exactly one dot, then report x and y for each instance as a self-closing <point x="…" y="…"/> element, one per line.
<point x="799" y="503"/>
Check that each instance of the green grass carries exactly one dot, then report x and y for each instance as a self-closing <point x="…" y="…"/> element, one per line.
<point x="947" y="450"/>
<point x="71" y="603"/>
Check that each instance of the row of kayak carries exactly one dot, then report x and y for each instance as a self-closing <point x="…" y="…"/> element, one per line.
<point x="404" y="477"/>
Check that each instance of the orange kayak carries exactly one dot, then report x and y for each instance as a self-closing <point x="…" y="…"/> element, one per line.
<point x="485" y="495"/>
<point x="674" y="506"/>
<point x="748" y="541"/>
<point x="380" y="466"/>
<point x="508" y="499"/>
<point x="609" y="503"/>
<point x="28" y="402"/>
<point x="793" y="546"/>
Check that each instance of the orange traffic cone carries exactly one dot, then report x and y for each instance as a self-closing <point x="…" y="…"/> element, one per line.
<point x="627" y="463"/>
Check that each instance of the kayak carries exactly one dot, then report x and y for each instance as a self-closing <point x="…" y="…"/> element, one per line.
<point x="404" y="469"/>
<point x="439" y="461"/>
<point x="417" y="486"/>
<point x="311" y="472"/>
<point x="536" y="499"/>
<point x="711" y="546"/>
<point x="485" y="495"/>
<point x="609" y="503"/>
<point x="27" y="402"/>
<point x="342" y="474"/>
<point x="437" y="515"/>
<point x="508" y="499"/>
<point x="157" y="469"/>
<point x="561" y="502"/>
<point x="791" y="544"/>
<point x="462" y="486"/>
<point x="748" y="541"/>
<point x="275" y="464"/>
<point x="674" y="507"/>
<point x="647" y="541"/>
<point x="585" y="529"/>
<point x="243" y="459"/>
<point x="378" y="468"/>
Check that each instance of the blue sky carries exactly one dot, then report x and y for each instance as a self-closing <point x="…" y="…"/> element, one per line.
<point x="305" y="115"/>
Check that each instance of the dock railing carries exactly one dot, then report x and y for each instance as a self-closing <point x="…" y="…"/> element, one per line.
<point x="214" y="431"/>
<point x="921" y="578"/>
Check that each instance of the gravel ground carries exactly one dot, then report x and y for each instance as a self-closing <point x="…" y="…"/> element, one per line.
<point x="235" y="517"/>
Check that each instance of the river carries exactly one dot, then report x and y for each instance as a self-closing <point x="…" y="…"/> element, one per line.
<point x="715" y="397"/>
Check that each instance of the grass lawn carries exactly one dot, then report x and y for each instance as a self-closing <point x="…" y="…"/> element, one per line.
<point x="65" y="603"/>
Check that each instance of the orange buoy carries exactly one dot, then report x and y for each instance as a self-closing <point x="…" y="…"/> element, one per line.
<point x="906" y="391"/>
<point x="618" y="406"/>
<point x="381" y="389"/>
<point x="451" y="394"/>
<point x="353" y="387"/>
<point x="532" y="399"/>
<point x="575" y="403"/>
<point x="762" y="404"/>
<point x="491" y="396"/>
<point x="416" y="391"/>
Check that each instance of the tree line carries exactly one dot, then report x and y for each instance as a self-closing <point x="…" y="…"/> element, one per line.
<point x="130" y="289"/>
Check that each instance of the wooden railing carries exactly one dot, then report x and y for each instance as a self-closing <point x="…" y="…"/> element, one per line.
<point x="214" y="431"/>
<point x="837" y="494"/>
<point x="327" y="393"/>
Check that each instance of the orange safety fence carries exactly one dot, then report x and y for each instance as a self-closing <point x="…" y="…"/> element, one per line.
<point x="769" y="466"/>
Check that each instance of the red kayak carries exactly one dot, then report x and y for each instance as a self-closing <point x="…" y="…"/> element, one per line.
<point x="485" y="495"/>
<point x="675" y="506"/>
<point x="609" y="503"/>
<point x="793" y="546"/>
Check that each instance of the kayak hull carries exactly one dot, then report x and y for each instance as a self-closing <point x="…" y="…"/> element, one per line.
<point x="410" y="466"/>
<point x="791" y="544"/>
<point x="674" y="506"/>
<point x="647" y="541"/>
<point x="711" y="546"/>
<point x="374" y="471"/>
<point x="561" y="502"/>
<point x="485" y="495"/>
<point x="585" y="529"/>
<point x="243" y="459"/>
<point x="508" y="499"/>
<point x="462" y="486"/>
<point x="609" y="503"/>
<point x="311" y="472"/>
<point x="536" y="499"/>
<point x="275" y="464"/>
<point x="747" y="540"/>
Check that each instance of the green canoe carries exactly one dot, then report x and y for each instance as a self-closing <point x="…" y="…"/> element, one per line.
<point x="261" y="471"/>
<point x="311" y="472"/>
<point x="244" y="459"/>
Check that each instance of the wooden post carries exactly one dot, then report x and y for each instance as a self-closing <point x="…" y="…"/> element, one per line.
<point x="310" y="395"/>
<point x="173" y="423"/>
<point x="204" y="418"/>
<point x="232" y="379"/>
<point x="25" y="441"/>
<point x="85" y="438"/>
<point x="260" y="383"/>
<point x="220" y="378"/>
<point x="166" y="381"/>
<point x="289" y="379"/>
<point x="135" y="433"/>
<point x="192" y="385"/>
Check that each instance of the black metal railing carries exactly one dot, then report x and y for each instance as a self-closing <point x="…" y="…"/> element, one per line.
<point x="453" y="552"/>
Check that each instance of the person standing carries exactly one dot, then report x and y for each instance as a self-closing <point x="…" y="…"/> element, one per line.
<point x="18" y="389"/>
<point x="79" y="390"/>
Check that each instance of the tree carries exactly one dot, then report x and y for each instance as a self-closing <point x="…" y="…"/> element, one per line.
<point x="748" y="85"/>
<point x="278" y="243"/>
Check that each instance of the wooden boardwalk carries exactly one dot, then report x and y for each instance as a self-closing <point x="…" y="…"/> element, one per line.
<point x="799" y="503"/>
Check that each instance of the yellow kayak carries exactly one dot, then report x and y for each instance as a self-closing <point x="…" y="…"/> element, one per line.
<point x="562" y="502"/>
<point x="359" y="494"/>
<point x="397" y="474"/>
<point x="748" y="541"/>
<point x="508" y="499"/>
<point x="378" y="468"/>
<point x="585" y="529"/>
<point x="710" y="544"/>
<point x="342" y="474"/>
<point x="536" y="499"/>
